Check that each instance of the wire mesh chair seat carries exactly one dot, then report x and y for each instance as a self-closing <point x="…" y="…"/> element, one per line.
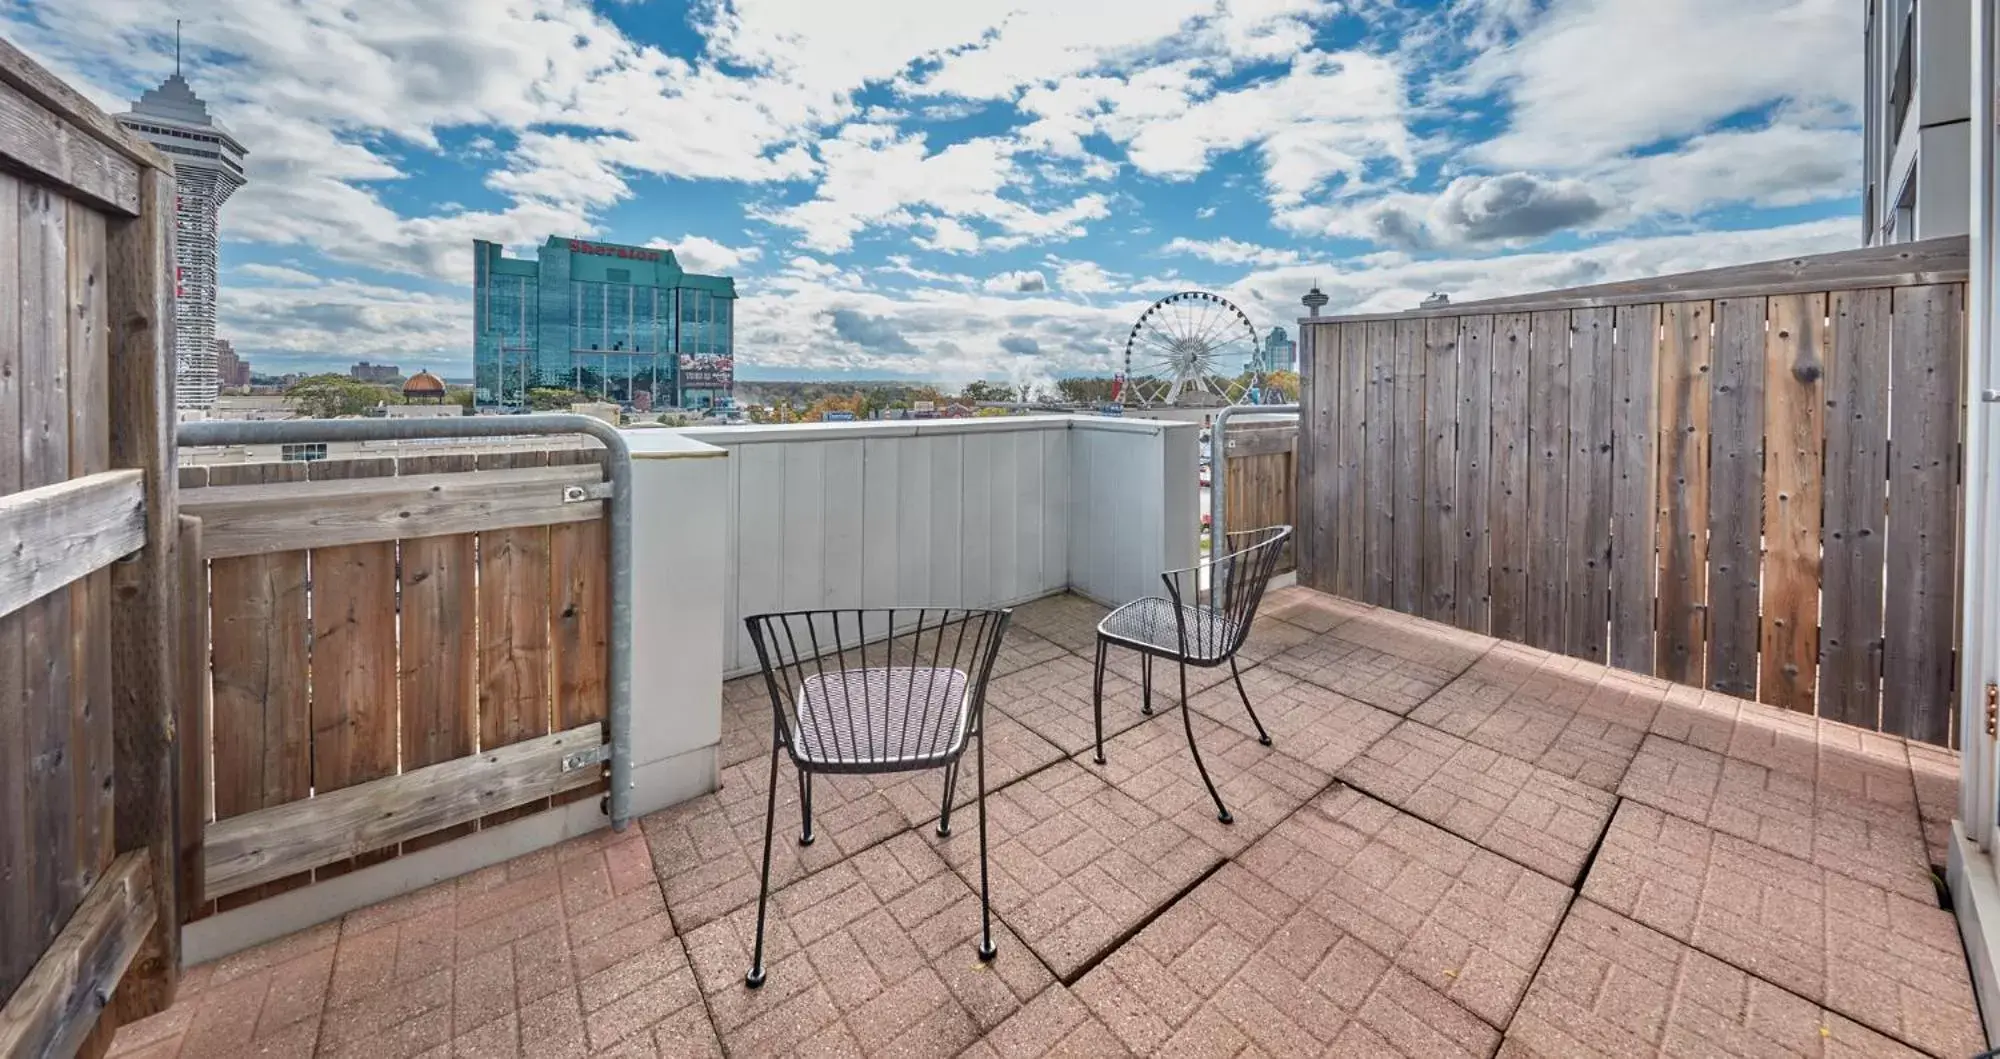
<point x="875" y="691"/>
<point x="881" y="719"/>
<point x="1197" y="627"/>
<point x="1152" y="625"/>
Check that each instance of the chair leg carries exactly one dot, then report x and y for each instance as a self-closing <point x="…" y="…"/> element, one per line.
<point x="1187" y="721"/>
<point x="1146" y="684"/>
<point x="756" y="976"/>
<point x="1097" y="698"/>
<point x="986" y="948"/>
<point x="1263" y="736"/>
<point x="944" y="812"/>
<point x="805" y="808"/>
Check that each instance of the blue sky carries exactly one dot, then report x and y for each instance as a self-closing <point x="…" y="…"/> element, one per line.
<point x="995" y="189"/>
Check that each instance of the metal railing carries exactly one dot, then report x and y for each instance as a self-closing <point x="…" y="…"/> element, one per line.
<point x="1218" y="449"/>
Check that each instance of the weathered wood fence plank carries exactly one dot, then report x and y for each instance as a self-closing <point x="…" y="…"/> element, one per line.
<point x="1475" y="474"/>
<point x="1928" y="347"/>
<point x="1857" y="455"/>
<point x="1586" y="611"/>
<point x="1735" y="514"/>
<point x="1794" y="391"/>
<point x="1683" y="533"/>
<point x="1379" y="467"/>
<point x="1350" y="495"/>
<point x="1407" y="481"/>
<point x="1548" y="478"/>
<point x="1635" y="472"/>
<point x="1512" y="548"/>
<point x="1440" y="539"/>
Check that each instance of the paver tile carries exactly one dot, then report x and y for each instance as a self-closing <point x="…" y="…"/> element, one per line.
<point x="1306" y="722"/>
<point x="1259" y="785"/>
<point x="1527" y="814"/>
<point x="1369" y="674"/>
<point x="1012" y="751"/>
<point x="1021" y="649"/>
<point x="1054" y="1023"/>
<point x="1888" y="962"/>
<point x="1270" y="636"/>
<point x="709" y="851"/>
<point x="1075" y="862"/>
<point x="876" y="954"/>
<point x="1700" y="718"/>
<point x="1315" y="612"/>
<point x="1555" y="734"/>
<point x="1240" y="967"/>
<point x="1067" y="620"/>
<point x="1874" y="842"/>
<point x="1128" y="663"/>
<point x="746" y="721"/>
<point x="1416" y="639"/>
<point x="1466" y="922"/>
<point x="1054" y="701"/>
<point x="1611" y="986"/>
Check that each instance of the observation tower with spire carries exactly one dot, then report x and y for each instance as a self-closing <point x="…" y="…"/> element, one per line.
<point x="208" y="168"/>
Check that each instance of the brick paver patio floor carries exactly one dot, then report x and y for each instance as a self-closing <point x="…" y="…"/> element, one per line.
<point x="1453" y="847"/>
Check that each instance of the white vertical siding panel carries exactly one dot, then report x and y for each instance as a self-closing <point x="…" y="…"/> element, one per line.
<point x="843" y="555"/>
<point x="947" y="462"/>
<point x="804" y="521"/>
<point x="913" y="514"/>
<point x="1029" y="515"/>
<point x="760" y="527"/>
<point x="881" y="520"/>
<point x="1056" y="502"/>
<point x="975" y="583"/>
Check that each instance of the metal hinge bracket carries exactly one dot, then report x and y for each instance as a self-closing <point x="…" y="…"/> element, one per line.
<point x="580" y="494"/>
<point x="1992" y="709"/>
<point x="582" y="759"/>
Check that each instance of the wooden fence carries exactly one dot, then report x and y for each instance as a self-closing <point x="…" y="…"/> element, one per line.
<point x="405" y="649"/>
<point x="1262" y="482"/>
<point x="88" y="676"/>
<point x="1746" y="479"/>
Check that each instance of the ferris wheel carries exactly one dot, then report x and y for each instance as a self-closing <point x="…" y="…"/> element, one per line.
<point x="1191" y="348"/>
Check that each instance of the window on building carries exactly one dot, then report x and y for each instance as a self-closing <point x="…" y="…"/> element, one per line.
<point x="302" y="452"/>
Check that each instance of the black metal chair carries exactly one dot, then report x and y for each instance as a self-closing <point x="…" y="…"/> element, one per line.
<point x="876" y="691"/>
<point x="1194" y="626"/>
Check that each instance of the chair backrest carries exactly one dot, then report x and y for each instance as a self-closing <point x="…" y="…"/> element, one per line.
<point x="1236" y="579"/>
<point x="837" y="648"/>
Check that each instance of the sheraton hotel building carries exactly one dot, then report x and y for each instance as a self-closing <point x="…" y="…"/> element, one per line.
<point x="618" y="323"/>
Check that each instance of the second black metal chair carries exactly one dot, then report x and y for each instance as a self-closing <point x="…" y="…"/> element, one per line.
<point x="876" y="691"/>
<point x="1195" y="626"/>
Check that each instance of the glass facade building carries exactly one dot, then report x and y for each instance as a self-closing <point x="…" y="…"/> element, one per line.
<point x="619" y="323"/>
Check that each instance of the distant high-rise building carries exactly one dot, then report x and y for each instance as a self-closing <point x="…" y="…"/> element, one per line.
<point x="1279" y="353"/>
<point x="605" y="319"/>
<point x="366" y="372"/>
<point x="208" y="168"/>
<point x="231" y="371"/>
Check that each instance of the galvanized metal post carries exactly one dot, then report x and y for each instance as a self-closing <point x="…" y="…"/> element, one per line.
<point x="618" y="463"/>
<point x="1218" y="461"/>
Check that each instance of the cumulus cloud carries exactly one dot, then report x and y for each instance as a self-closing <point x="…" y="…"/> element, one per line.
<point x="1021" y="346"/>
<point x="698" y="253"/>
<point x="1227" y="251"/>
<point x="1023" y="282"/>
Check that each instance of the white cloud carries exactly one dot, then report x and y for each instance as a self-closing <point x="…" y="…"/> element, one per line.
<point x="698" y="253"/>
<point x="1590" y="79"/>
<point x="1020" y="282"/>
<point x="279" y="274"/>
<point x="1086" y="277"/>
<point x="1227" y="251"/>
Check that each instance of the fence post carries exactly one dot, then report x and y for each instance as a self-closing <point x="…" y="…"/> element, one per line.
<point x="143" y="658"/>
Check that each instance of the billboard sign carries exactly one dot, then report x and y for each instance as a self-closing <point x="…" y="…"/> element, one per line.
<point x="701" y="371"/>
<point x="634" y="253"/>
